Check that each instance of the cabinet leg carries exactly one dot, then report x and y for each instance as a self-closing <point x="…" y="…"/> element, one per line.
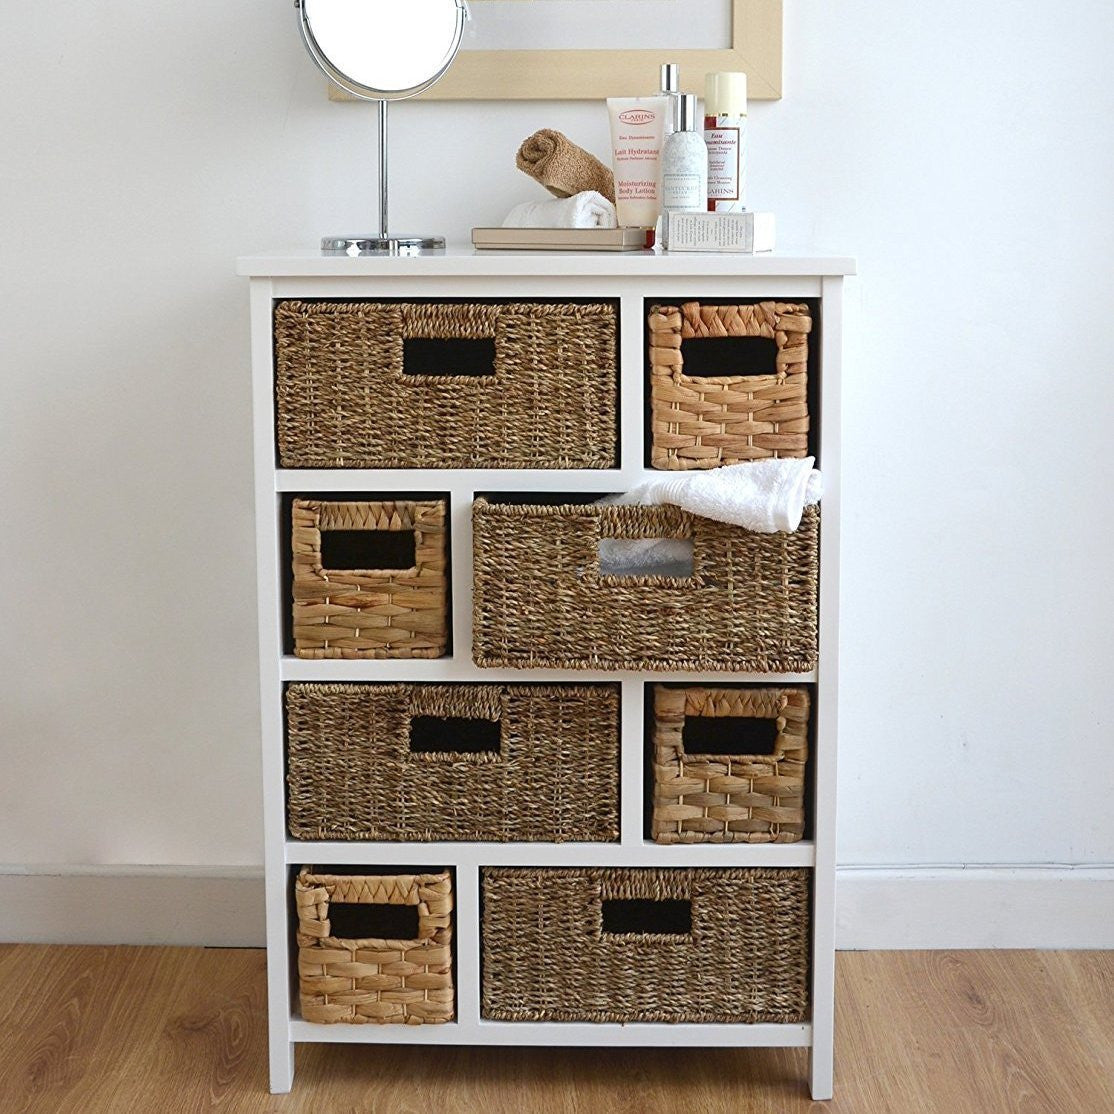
<point x="282" y="1066"/>
<point x="820" y="1071"/>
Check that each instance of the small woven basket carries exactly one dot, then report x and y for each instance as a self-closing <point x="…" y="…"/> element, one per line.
<point x="354" y="773"/>
<point x="706" y="421"/>
<point x="628" y="945"/>
<point x="372" y="980"/>
<point x="750" y="605"/>
<point x="370" y="613"/>
<point x="349" y="394"/>
<point x="729" y="798"/>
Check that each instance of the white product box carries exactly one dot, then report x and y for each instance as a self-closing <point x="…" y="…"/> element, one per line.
<point x="741" y="232"/>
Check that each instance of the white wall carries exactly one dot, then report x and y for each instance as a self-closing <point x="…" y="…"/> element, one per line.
<point x="961" y="151"/>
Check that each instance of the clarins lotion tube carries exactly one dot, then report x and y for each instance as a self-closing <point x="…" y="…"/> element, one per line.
<point x="637" y="133"/>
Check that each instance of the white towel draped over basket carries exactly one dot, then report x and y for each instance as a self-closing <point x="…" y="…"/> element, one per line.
<point x="766" y="496"/>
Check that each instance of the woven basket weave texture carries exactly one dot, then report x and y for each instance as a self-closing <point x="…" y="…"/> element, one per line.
<point x="368" y="613"/>
<point x="351" y="773"/>
<point x="344" y="398"/>
<point x="709" y="798"/>
<point x="546" y="956"/>
<point x="375" y="981"/>
<point x="751" y="604"/>
<point x="707" y="421"/>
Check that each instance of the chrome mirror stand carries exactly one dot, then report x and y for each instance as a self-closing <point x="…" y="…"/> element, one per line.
<point x="386" y="242"/>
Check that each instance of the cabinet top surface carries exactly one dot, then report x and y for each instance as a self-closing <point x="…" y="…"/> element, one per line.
<point x="465" y="260"/>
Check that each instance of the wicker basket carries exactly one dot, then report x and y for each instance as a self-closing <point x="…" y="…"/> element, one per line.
<point x="359" y="764"/>
<point x="750" y="605"/>
<point x="645" y="945"/>
<point x="372" y="979"/>
<point x="364" y="385"/>
<point x="729" y="798"/>
<point x="399" y="611"/>
<point x="705" y="421"/>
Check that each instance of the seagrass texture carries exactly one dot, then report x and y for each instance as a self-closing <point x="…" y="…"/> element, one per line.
<point x="375" y="981"/>
<point x="369" y="613"/>
<point x="547" y="958"/>
<point x="706" y="421"/>
<point x="351" y="773"/>
<point x="344" y="398"/>
<point x="539" y="599"/>
<point x="709" y="798"/>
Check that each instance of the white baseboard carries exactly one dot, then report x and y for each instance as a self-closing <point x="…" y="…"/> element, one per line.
<point x="213" y="906"/>
<point x="877" y="907"/>
<point x="974" y="907"/>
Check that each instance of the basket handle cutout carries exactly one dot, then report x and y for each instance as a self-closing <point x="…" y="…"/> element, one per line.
<point x="729" y="735"/>
<point x="351" y="920"/>
<point x="373" y="550"/>
<point x="455" y="735"/>
<point x="447" y="356"/>
<point x="715" y="357"/>
<point x="670" y="557"/>
<point x="642" y="916"/>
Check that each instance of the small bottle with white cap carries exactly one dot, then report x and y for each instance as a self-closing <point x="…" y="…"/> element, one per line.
<point x="725" y="133"/>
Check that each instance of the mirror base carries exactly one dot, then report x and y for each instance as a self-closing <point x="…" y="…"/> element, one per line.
<point x="380" y="245"/>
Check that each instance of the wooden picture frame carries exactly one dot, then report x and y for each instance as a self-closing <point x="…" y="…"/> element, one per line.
<point x="556" y="75"/>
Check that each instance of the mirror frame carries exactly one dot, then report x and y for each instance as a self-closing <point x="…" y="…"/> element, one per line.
<point x="350" y="89"/>
<point x="570" y="75"/>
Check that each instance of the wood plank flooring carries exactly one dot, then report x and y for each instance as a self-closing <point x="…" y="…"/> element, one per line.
<point x="182" y="1031"/>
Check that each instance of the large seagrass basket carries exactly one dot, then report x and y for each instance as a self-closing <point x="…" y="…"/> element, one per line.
<point x="631" y="945"/>
<point x="446" y="385"/>
<point x="453" y="762"/>
<point x="540" y="600"/>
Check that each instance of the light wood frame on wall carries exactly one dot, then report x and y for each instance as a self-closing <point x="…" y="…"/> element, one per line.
<point x="556" y="75"/>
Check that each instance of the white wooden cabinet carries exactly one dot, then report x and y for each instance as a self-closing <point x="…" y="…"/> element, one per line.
<point x="630" y="278"/>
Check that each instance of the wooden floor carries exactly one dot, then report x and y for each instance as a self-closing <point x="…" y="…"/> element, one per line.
<point x="182" y="1030"/>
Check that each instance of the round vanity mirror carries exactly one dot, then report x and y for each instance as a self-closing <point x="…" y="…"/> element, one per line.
<point x="382" y="50"/>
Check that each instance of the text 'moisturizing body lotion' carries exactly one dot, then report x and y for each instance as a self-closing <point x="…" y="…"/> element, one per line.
<point x="725" y="133"/>
<point x="637" y="133"/>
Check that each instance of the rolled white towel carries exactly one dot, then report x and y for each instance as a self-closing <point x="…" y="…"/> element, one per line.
<point x="583" y="210"/>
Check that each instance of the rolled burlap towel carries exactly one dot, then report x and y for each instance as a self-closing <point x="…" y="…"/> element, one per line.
<point x="562" y="167"/>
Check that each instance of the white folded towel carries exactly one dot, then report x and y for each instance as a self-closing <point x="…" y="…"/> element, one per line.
<point x="766" y="496"/>
<point x="583" y="210"/>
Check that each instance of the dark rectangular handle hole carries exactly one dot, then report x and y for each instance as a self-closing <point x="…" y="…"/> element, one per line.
<point x="729" y="735"/>
<point x="708" y="357"/>
<point x="455" y="734"/>
<point x="644" y="916"/>
<point x="448" y="356"/>
<point x="353" y="920"/>
<point x="368" y="549"/>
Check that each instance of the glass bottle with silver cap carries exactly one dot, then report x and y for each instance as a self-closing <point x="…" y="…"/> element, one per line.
<point x="684" y="164"/>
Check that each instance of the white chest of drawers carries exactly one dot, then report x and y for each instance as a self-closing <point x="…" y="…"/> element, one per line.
<point x="633" y="281"/>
